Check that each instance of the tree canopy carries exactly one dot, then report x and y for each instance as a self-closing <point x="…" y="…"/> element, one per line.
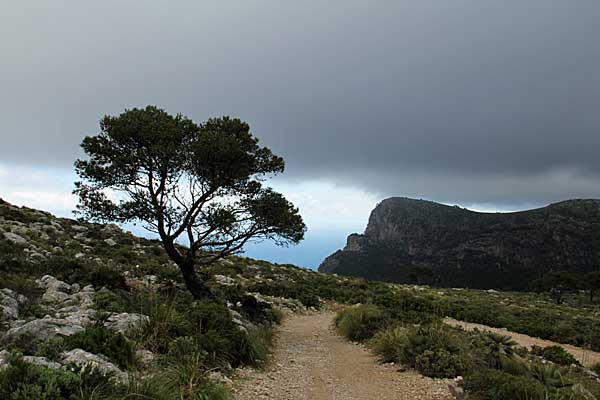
<point x="197" y="183"/>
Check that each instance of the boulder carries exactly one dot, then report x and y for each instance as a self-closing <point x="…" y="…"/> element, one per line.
<point x="126" y="322"/>
<point x="45" y="328"/>
<point x="110" y="241"/>
<point x="82" y="358"/>
<point x="79" y="228"/>
<point x="10" y="304"/>
<point x="144" y="357"/>
<point x="224" y="280"/>
<point x="49" y="282"/>
<point x="14" y="238"/>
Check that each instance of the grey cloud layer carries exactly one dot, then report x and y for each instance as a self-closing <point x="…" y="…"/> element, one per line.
<point x="456" y="101"/>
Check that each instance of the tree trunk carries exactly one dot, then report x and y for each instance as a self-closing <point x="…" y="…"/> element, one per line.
<point x="193" y="283"/>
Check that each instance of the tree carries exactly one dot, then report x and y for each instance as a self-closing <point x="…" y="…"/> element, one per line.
<point x="557" y="284"/>
<point x="592" y="282"/>
<point x="198" y="183"/>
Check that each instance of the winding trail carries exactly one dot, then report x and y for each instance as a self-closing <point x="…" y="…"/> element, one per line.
<point x="312" y="362"/>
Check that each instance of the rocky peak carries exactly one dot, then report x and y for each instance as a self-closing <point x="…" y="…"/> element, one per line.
<point x="454" y="242"/>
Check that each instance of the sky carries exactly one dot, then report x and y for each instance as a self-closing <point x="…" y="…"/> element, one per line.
<point x="490" y="105"/>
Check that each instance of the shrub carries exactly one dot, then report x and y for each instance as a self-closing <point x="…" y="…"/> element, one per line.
<point x="51" y="348"/>
<point x="99" y="340"/>
<point x="25" y="381"/>
<point x="438" y="363"/>
<point x="259" y="340"/>
<point x="388" y="343"/>
<point x="433" y="351"/>
<point x="489" y="384"/>
<point x="107" y="300"/>
<point x="427" y="337"/>
<point x="106" y="277"/>
<point x="189" y="381"/>
<point x="361" y="323"/>
<point x="556" y="354"/>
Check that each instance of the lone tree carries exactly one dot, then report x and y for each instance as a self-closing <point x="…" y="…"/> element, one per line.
<point x="200" y="184"/>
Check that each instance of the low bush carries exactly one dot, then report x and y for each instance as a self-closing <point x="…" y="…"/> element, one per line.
<point x="388" y="343"/>
<point x="490" y="384"/>
<point x="439" y="363"/>
<point x="361" y="323"/>
<point x="99" y="340"/>
<point x="556" y="354"/>
<point x="433" y="351"/>
<point x="25" y="381"/>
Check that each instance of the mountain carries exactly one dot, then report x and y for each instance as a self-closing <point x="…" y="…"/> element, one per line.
<point x="463" y="248"/>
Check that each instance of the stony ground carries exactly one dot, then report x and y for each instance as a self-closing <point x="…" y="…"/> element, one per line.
<point x="586" y="357"/>
<point x="310" y="361"/>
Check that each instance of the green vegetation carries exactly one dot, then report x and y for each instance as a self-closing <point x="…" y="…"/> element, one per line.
<point x="556" y="354"/>
<point x="493" y="367"/>
<point x="182" y="180"/>
<point x="192" y="338"/>
<point x="99" y="340"/>
<point x="360" y="323"/>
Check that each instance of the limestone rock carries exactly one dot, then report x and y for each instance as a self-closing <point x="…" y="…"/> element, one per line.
<point x="45" y="328"/>
<point x="10" y="304"/>
<point x="82" y="358"/>
<point x="126" y="322"/>
<point x="14" y="238"/>
<point x="144" y="357"/>
<point x="224" y="280"/>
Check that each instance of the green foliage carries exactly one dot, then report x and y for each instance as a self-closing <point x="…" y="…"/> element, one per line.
<point x="556" y="354"/>
<point x="361" y="323"/>
<point x="107" y="300"/>
<point x="438" y="363"/>
<point x="149" y="157"/>
<point x="432" y="350"/>
<point x="99" y="340"/>
<point x="389" y="343"/>
<point x="498" y="349"/>
<point x="106" y="277"/>
<point x="84" y="273"/>
<point x="489" y="384"/>
<point x="25" y="381"/>
<point x="204" y="328"/>
<point x="182" y="380"/>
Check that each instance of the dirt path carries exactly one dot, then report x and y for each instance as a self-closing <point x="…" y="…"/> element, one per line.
<point x="311" y="362"/>
<point x="584" y="356"/>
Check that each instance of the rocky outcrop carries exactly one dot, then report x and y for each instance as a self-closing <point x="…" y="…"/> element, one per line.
<point x="10" y="304"/>
<point x="82" y="358"/>
<point x="44" y="328"/>
<point x="126" y="322"/>
<point x="466" y="248"/>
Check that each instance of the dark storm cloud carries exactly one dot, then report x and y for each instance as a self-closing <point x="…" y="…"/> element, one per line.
<point x="481" y="101"/>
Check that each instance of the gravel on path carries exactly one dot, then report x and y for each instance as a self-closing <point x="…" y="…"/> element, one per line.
<point x="312" y="362"/>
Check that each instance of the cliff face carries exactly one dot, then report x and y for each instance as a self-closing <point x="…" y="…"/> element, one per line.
<point x="471" y="249"/>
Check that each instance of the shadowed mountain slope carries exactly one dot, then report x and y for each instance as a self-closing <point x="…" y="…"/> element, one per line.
<point x="471" y="249"/>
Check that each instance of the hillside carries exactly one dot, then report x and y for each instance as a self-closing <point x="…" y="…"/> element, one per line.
<point x="89" y="311"/>
<point x="470" y="249"/>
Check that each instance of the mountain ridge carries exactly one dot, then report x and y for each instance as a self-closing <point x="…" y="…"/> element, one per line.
<point x="468" y="248"/>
